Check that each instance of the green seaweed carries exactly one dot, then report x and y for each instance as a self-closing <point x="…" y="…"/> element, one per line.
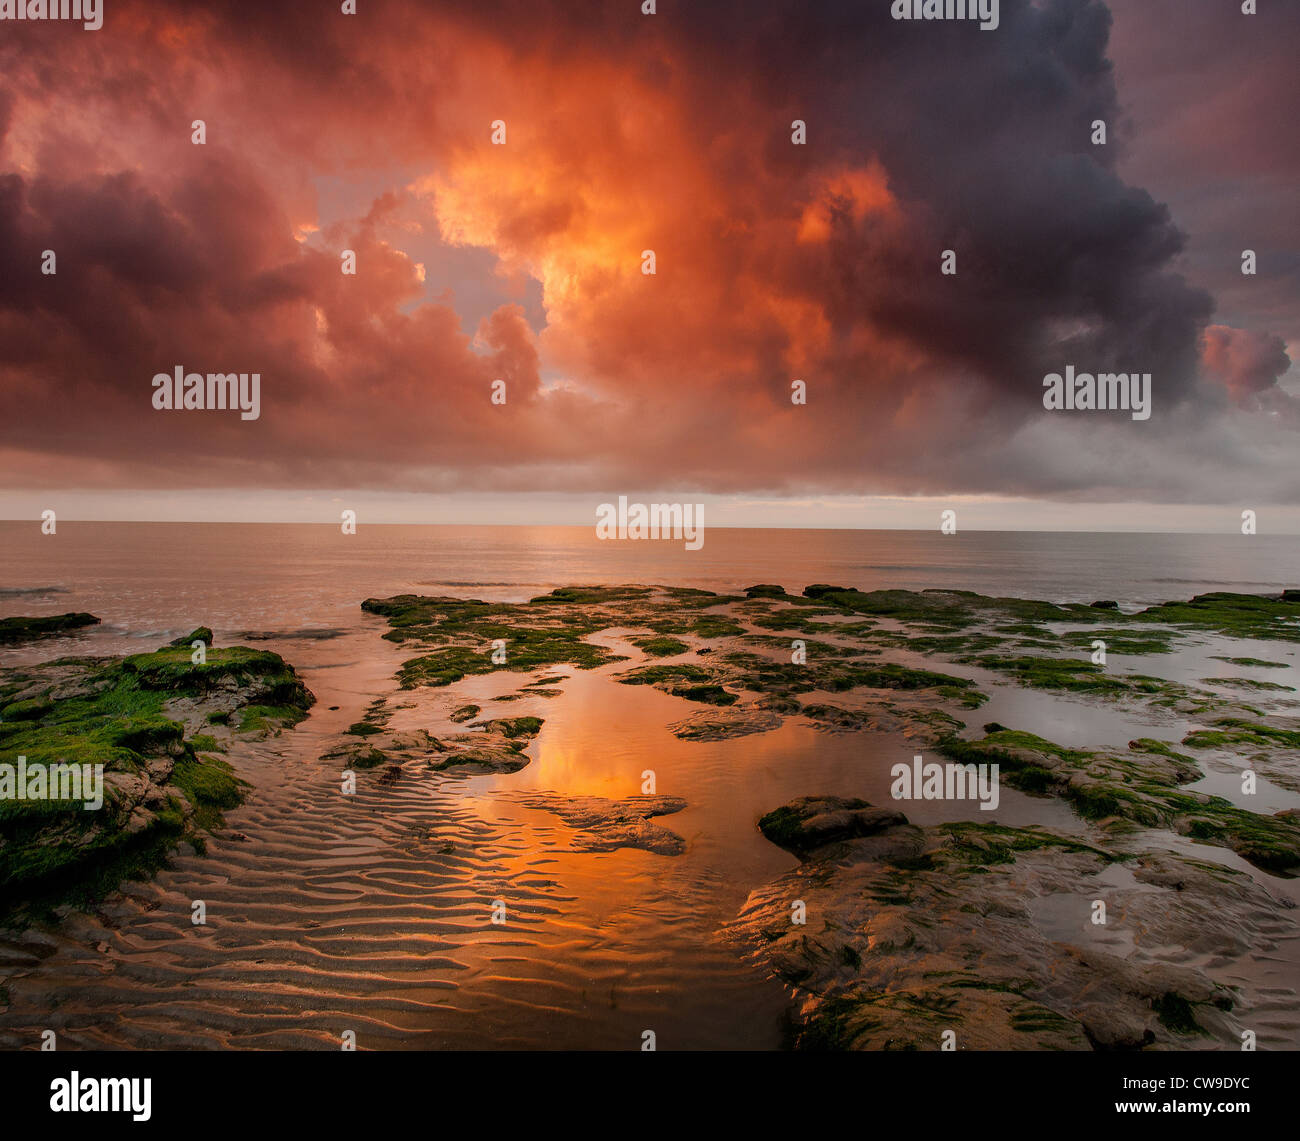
<point x="1259" y="663"/>
<point x="1231" y="731"/>
<point x="1074" y="675"/>
<point x="1100" y="785"/>
<point x="990" y="844"/>
<point x="112" y="712"/>
<point x="1237" y="615"/>
<point x="662" y="647"/>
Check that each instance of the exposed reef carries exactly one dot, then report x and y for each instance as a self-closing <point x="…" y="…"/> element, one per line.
<point x="892" y="936"/>
<point x="603" y="825"/>
<point x="19" y="629"/>
<point x="155" y="722"/>
<point x="889" y="933"/>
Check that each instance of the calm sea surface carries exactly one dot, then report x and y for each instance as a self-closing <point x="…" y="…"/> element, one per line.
<point x="161" y="575"/>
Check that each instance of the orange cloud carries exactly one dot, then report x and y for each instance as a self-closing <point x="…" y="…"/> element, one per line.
<point x="523" y="261"/>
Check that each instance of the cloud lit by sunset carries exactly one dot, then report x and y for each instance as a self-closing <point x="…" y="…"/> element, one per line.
<point x="521" y="259"/>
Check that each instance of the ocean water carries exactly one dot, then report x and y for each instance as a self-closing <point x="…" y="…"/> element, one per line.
<point x="371" y="913"/>
<point x="137" y="574"/>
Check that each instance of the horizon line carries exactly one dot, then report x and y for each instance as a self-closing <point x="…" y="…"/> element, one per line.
<point x="589" y="526"/>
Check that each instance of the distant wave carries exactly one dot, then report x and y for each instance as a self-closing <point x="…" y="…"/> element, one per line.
<point x="1207" y="582"/>
<point x="458" y="582"/>
<point x="925" y="568"/>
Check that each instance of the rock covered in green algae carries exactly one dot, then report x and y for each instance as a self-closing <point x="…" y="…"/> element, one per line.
<point x="946" y="608"/>
<point x="819" y="590"/>
<point x="479" y="752"/>
<point x="661" y="646"/>
<point x="1271" y="745"/>
<point x="356" y="755"/>
<point x="512" y="727"/>
<point x="1074" y="675"/>
<point x="923" y="703"/>
<point x="903" y="942"/>
<point x="713" y="685"/>
<point x="252" y="691"/>
<point x="1242" y="615"/>
<point x="459" y="633"/>
<point x="1257" y="663"/>
<point x="1142" y="785"/>
<point x="693" y="682"/>
<point x="933" y="611"/>
<point x="498" y="746"/>
<point x="969" y="628"/>
<point x="917" y="959"/>
<point x="1236" y="615"/>
<point x="200" y="634"/>
<point x="140" y="717"/>
<point x="20" y="629"/>
<point x="363" y="729"/>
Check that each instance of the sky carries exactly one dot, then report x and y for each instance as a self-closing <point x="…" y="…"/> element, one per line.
<point x="521" y="260"/>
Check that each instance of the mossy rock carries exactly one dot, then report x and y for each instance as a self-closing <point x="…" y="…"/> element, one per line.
<point x="661" y="647"/>
<point x="32" y="709"/>
<point x="812" y="822"/>
<point x="1100" y="785"/>
<point x="158" y="789"/>
<point x="515" y="727"/>
<point x="20" y="629"/>
<point x="201" y="634"/>
<point x="362" y="729"/>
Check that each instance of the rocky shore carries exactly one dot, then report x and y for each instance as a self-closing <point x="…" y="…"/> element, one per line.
<point x="905" y="933"/>
<point x="155" y="724"/>
<point x="1129" y="923"/>
<point x="1106" y="935"/>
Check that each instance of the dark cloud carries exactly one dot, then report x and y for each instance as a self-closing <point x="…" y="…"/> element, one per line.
<point x="627" y="132"/>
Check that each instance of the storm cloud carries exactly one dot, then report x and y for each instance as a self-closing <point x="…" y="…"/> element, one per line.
<point x="523" y="262"/>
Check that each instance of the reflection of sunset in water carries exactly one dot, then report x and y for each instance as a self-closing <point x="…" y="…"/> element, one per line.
<point x="376" y="904"/>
